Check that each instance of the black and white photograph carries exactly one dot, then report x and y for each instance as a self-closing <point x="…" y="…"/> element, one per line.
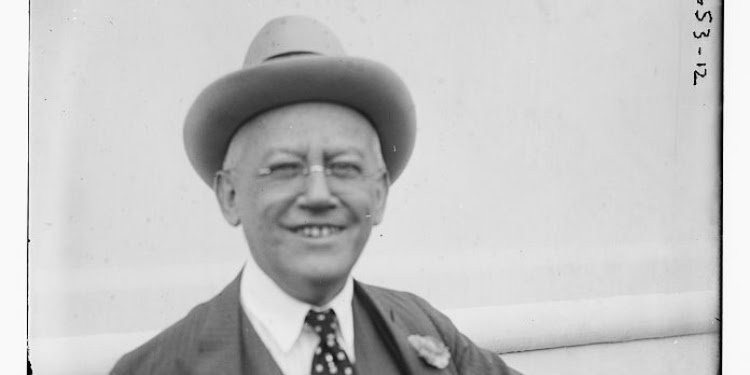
<point x="375" y="187"/>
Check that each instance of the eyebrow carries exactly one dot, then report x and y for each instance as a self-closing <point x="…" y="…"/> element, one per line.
<point x="344" y="151"/>
<point x="283" y="150"/>
<point x="302" y="153"/>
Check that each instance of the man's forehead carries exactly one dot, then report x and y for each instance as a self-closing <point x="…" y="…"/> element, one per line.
<point x="296" y="127"/>
<point x="297" y="122"/>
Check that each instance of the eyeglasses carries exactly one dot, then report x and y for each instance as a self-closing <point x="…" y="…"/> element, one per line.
<point x="338" y="174"/>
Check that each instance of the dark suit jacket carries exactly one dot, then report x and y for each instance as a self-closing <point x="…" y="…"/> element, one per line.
<point x="209" y="339"/>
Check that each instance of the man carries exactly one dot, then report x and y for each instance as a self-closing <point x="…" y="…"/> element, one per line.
<point x="300" y="147"/>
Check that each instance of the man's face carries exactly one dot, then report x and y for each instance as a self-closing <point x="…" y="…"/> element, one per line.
<point x="307" y="183"/>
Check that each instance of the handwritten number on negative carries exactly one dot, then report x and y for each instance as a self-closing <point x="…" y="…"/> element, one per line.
<point x="702" y="17"/>
<point x="697" y="74"/>
<point x="702" y="34"/>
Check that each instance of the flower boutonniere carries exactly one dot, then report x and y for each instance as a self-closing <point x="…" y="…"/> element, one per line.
<point x="431" y="350"/>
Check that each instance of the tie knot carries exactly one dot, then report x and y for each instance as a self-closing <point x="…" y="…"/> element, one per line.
<point x="322" y="322"/>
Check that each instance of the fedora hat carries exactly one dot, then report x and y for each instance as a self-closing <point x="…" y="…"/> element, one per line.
<point x="296" y="59"/>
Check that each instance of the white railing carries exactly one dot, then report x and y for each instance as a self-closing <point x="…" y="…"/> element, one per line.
<point x="569" y="323"/>
<point x="503" y="329"/>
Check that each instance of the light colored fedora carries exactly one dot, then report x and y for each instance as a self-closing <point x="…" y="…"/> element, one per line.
<point x="297" y="59"/>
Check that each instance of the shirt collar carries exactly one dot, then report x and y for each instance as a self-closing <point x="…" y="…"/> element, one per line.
<point x="282" y="315"/>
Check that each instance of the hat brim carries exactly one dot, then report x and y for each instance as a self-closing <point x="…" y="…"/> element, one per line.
<point x="364" y="85"/>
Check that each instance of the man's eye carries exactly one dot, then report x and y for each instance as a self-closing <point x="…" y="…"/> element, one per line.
<point x="285" y="169"/>
<point x="345" y="169"/>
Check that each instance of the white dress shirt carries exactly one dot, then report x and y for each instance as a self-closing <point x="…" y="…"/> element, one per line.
<point x="279" y="320"/>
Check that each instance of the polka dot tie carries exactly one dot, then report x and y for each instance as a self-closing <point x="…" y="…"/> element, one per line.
<point x="329" y="358"/>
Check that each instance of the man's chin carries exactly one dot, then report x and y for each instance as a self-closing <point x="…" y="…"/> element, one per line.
<point x="320" y="288"/>
<point x="327" y="276"/>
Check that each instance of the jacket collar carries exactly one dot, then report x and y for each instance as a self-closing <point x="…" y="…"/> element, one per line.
<point x="399" y="322"/>
<point x="220" y="338"/>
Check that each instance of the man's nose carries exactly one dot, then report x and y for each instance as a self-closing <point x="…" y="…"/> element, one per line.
<point x="317" y="194"/>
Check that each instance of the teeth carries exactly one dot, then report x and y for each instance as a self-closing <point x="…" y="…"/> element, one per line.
<point x="317" y="231"/>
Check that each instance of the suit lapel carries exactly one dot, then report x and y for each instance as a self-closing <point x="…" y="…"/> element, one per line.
<point x="399" y="325"/>
<point x="227" y="342"/>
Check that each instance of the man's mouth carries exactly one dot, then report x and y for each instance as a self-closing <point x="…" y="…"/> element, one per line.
<point x="317" y="231"/>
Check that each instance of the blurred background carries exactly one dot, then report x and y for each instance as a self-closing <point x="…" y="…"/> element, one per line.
<point x="563" y="194"/>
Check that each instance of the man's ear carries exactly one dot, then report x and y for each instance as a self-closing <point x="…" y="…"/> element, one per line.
<point x="381" y="196"/>
<point x="226" y="195"/>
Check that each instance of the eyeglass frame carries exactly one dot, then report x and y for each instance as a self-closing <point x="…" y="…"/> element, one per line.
<point x="315" y="168"/>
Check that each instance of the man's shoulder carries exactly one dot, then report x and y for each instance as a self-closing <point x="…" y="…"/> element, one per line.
<point x="165" y="352"/>
<point x="379" y="293"/>
<point x="400" y="300"/>
<point x="416" y="315"/>
<point x="167" y="347"/>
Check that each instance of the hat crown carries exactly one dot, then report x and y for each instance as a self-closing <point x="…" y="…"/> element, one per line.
<point x="292" y="35"/>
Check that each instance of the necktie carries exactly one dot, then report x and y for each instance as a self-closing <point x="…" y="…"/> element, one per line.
<point x="329" y="357"/>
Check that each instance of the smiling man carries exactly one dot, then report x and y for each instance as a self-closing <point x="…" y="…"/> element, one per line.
<point x="307" y="183"/>
<point x="300" y="147"/>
